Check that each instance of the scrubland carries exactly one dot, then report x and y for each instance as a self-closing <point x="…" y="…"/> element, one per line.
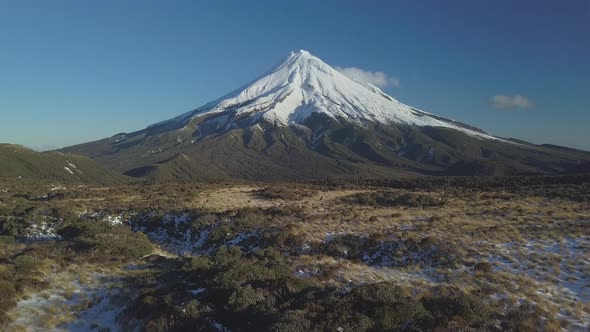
<point x="417" y="254"/>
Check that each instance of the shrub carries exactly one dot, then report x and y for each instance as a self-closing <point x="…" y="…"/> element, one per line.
<point x="225" y="256"/>
<point x="197" y="264"/>
<point x="101" y="241"/>
<point x="399" y="316"/>
<point x="293" y="321"/>
<point x="206" y="219"/>
<point x="526" y="317"/>
<point x="69" y="293"/>
<point x="466" y="307"/>
<point x="25" y="263"/>
<point x="244" y="297"/>
<point x="7" y="291"/>
<point x="391" y="198"/>
<point x="483" y="267"/>
<point x="219" y="235"/>
<point x="191" y="310"/>
<point x="7" y="239"/>
<point x="285" y="193"/>
<point x="347" y="245"/>
<point x="7" y="295"/>
<point x="383" y="292"/>
<point x="6" y="271"/>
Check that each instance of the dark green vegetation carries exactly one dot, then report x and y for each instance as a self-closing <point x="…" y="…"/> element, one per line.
<point x="388" y="198"/>
<point x="19" y="272"/>
<point x="17" y="162"/>
<point x="320" y="148"/>
<point x="284" y="192"/>
<point x="258" y="291"/>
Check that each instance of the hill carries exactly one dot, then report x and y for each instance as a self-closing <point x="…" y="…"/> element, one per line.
<point x="18" y="162"/>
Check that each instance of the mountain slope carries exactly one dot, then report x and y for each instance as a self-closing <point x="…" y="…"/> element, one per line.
<point x="19" y="162"/>
<point x="303" y="119"/>
<point x="301" y="86"/>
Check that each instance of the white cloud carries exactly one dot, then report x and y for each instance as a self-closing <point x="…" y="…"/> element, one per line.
<point x="508" y="103"/>
<point x="377" y="78"/>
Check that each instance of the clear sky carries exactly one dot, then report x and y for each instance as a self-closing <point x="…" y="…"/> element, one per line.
<point x="75" y="71"/>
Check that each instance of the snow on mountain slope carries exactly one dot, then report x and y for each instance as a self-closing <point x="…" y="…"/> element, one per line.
<point x="304" y="84"/>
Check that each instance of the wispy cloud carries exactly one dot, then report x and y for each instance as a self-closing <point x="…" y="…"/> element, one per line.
<point x="509" y="103"/>
<point x="377" y="78"/>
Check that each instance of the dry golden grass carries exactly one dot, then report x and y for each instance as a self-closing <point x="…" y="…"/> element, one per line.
<point x="525" y="238"/>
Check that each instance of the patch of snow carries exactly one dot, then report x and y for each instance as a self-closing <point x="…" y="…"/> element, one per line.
<point x="55" y="187"/>
<point x="68" y="170"/>
<point x="104" y="313"/>
<point x="572" y="252"/>
<point x="197" y="291"/>
<point x="114" y="220"/>
<point x="570" y="282"/>
<point x="220" y="327"/>
<point x="175" y="234"/>
<point x="41" y="232"/>
<point x="71" y="165"/>
<point x="106" y="304"/>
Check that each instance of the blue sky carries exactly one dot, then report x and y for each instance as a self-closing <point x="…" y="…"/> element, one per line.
<point x="75" y="71"/>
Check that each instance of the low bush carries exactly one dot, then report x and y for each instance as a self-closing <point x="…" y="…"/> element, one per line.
<point x="101" y="241"/>
<point x="483" y="267"/>
<point x="7" y="292"/>
<point x="285" y="193"/>
<point x="471" y="310"/>
<point x="395" y="199"/>
<point x="7" y="239"/>
<point x="197" y="264"/>
<point x="25" y="263"/>
<point x="259" y="291"/>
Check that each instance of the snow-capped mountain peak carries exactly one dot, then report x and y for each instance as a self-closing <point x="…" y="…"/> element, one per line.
<point x="268" y="130"/>
<point x="303" y="84"/>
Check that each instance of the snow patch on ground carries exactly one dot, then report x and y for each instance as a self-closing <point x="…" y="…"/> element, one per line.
<point x="569" y="272"/>
<point x="101" y="299"/>
<point x="103" y="315"/>
<point x="40" y="232"/>
<point x="197" y="291"/>
<point x="560" y="268"/>
<point x="176" y="234"/>
<point x="55" y="187"/>
<point x="114" y="220"/>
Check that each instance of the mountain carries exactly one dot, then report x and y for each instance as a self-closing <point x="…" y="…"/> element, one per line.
<point x="304" y="119"/>
<point x="18" y="162"/>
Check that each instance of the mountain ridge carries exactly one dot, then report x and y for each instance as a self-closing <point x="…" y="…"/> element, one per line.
<point x="19" y="162"/>
<point x="303" y="119"/>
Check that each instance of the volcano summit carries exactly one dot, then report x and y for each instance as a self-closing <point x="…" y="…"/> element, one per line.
<point x="304" y="119"/>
